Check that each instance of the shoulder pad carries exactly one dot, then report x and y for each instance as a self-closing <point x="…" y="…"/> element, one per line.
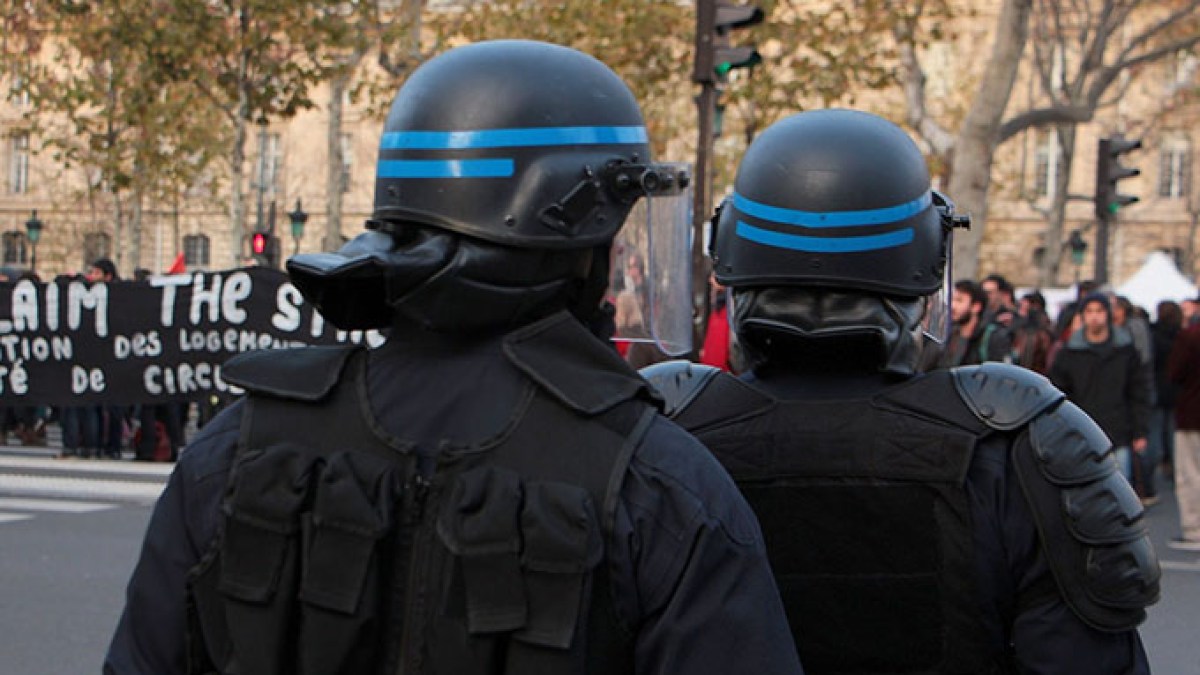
<point x="701" y="397"/>
<point x="1003" y="396"/>
<point x="1090" y="521"/>
<point x="583" y="373"/>
<point x="679" y="382"/>
<point x="302" y="374"/>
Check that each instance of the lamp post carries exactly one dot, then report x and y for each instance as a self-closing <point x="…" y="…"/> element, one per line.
<point x="298" y="218"/>
<point x="33" y="230"/>
<point x="1078" y="247"/>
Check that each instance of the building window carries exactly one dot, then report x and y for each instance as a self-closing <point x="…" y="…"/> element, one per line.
<point x="15" y="248"/>
<point x="347" y="160"/>
<point x="18" y="164"/>
<point x="1048" y="163"/>
<point x="270" y="158"/>
<point x="1174" y="167"/>
<point x="96" y="245"/>
<point x="196" y="250"/>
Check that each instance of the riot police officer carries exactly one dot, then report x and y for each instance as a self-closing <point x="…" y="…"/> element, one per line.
<point x="493" y="489"/>
<point x="959" y="521"/>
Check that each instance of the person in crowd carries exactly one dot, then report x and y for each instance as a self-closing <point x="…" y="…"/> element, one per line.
<point x="974" y="338"/>
<point x="1001" y="300"/>
<point x="1160" y="446"/>
<point x="717" y="350"/>
<point x="1100" y="371"/>
<point x="1183" y="369"/>
<point x="491" y="491"/>
<point x="111" y="418"/>
<point x="916" y="522"/>
<point x="1066" y="324"/>
<point x="1033" y="334"/>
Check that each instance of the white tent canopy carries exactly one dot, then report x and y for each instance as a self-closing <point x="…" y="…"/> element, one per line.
<point x="1157" y="280"/>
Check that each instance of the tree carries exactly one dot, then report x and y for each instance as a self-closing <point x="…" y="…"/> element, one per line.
<point x="1115" y="38"/>
<point x="100" y="103"/>
<point x="246" y="57"/>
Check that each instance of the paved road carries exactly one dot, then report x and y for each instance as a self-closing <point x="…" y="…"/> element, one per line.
<point x="70" y="531"/>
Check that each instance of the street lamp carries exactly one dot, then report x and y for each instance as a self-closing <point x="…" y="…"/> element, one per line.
<point x="1078" y="247"/>
<point x="298" y="218"/>
<point x="33" y="230"/>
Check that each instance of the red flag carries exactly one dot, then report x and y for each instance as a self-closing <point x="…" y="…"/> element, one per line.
<point x="178" y="267"/>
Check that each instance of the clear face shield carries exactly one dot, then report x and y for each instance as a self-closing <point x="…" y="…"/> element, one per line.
<point x="650" y="270"/>
<point x="937" y="321"/>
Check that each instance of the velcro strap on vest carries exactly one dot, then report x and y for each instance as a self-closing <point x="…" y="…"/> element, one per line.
<point x="480" y="526"/>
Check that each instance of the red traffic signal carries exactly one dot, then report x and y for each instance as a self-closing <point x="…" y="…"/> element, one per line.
<point x="259" y="243"/>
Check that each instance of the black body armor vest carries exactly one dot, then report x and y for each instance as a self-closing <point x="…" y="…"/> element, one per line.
<point x="341" y="551"/>
<point x="864" y="510"/>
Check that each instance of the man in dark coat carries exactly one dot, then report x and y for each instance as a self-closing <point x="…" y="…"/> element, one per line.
<point x="1099" y="370"/>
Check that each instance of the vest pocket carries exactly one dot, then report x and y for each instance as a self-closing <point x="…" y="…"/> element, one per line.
<point x="480" y="526"/>
<point x="342" y="584"/>
<point x="258" y="564"/>
<point x="562" y="546"/>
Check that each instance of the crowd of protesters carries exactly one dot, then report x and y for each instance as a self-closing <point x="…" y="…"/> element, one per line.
<point x="152" y="432"/>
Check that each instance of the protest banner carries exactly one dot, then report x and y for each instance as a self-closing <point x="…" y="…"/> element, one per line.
<point x="71" y="342"/>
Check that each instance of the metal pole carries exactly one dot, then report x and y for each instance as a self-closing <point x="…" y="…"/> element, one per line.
<point x="702" y="74"/>
<point x="1102" y="222"/>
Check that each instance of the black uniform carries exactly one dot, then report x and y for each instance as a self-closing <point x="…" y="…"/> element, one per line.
<point x="671" y="554"/>
<point x="919" y="525"/>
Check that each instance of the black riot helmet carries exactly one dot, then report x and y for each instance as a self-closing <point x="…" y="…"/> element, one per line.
<point x="505" y="170"/>
<point x="836" y="198"/>
<point x="833" y="231"/>
<point x="511" y="142"/>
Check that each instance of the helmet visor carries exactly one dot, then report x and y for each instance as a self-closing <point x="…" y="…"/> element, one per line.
<point x="650" y="282"/>
<point x="936" y="322"/>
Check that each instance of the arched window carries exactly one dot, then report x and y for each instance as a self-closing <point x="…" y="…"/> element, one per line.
<point x="15" y="248"/>
<point x="196" y="250"/>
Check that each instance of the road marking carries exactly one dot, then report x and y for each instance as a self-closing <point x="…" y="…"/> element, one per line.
<point x="1179" y="566"/>
<point x="91" y="466"/>
<point x="79" y="488"/>
<point x="13" y="517"/>
<point x="52" y="505"/>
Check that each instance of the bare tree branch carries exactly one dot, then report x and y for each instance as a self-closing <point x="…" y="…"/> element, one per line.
<point x="1040" y="117"/>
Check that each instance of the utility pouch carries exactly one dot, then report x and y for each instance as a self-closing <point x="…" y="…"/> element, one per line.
<point x="342" y="583"/>
<point x="480" y="527"/>
<point x="245" y="590"/>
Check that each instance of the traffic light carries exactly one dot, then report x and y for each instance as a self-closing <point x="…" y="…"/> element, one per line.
<point x="729" y="18"/>
<point x="1109" y="172"/>
<point x="715" y="55"/>
<point x="265" y="248"/>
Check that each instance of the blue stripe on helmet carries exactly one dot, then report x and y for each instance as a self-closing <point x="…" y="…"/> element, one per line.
<point x="824" y="244"/>
<point x="889" y="214"/>
<point x="511" y="138"/>
<point x="448" y="168"/>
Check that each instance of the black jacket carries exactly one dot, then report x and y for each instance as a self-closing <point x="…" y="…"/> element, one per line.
<point x="1108" y="381"/>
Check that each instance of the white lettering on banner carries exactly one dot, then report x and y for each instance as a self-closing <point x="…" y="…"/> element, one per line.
<point x="168" y="284"/>
<point x="231" y="340"/>
<point x="183" y="378"/>
<point x="80" y="297"/>
<point x="287" y="308"/>
<point x="84" y="380"/>
<point x="15" y="348"/>
<point x="238" y="287"/>
<point x="140" y="345"/>
<point x="205" y="296"/>
<point x="52" y="306"/>
<point x="318" y="324"/>
<point x="25" y="306"/>
<point x="17" y="378"/>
